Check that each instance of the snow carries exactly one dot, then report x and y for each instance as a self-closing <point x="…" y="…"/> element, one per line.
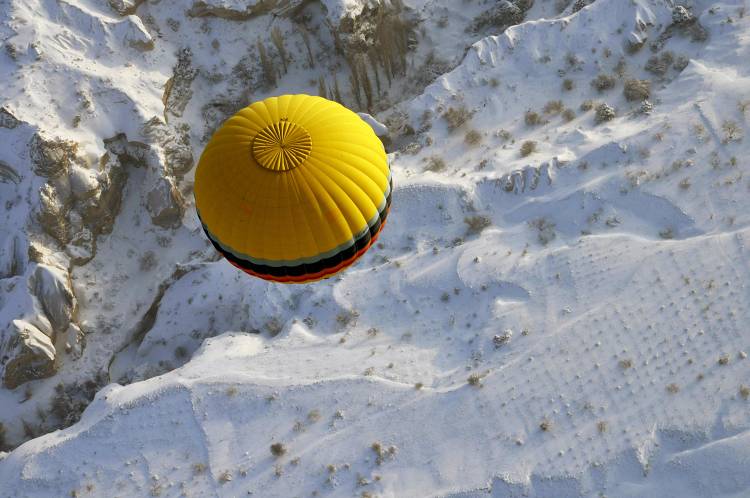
<point x="567" y="322"/>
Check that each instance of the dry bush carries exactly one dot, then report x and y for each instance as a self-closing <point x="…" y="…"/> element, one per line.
<point x="659" y="65"/>
<point x="456" y="117"/>
<point x="637" y="90"/>
<point x="568" y="115"/>
<point x="475" y="224"/>
<point x="553" y="107"/>
<point x="436" y="164"/>
<point x="586" y="105"/>
<point x="732" y="131"/>
<point x="473" y="137"/>
<point x="532" y="118"/>
<point x="528" y="148"/>
<point x="278" y="449"/>
<point x="603" y="82"/>
<point x="567" y="84"/>
<point x="475" y="380"/>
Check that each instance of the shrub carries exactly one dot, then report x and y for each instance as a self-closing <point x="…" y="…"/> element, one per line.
<point x="435" y="164"/>
<point x="732" y="132"/>
<point x="546" y="230"/>
<point x="567" y="85"/>
<point x="475" y="224"/>
<point x="587" y="105"/>
<point x="637" y="90"/>
<point x="473" y="137"/>
<point x="278" y="449"/>
<point x="604" y="113"/>
<point x="532" y="118"/>
<point x="568" y="115"/>
<point x="475" y="380"/>
<point x="553" y="107"/>
<point x="456" y="117"/>
<point x="659" y="65"/>
<point x="603" y="82"/>
<point x="528" y="148"/>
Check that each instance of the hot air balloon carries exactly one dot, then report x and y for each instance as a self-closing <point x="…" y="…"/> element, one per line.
<point x="293" y="188"/>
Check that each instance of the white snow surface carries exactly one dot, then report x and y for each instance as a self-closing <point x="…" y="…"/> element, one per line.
<point x="571" y="322"/>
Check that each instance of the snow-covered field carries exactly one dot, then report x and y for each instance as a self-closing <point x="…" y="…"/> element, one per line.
<point x="558" y="305"/>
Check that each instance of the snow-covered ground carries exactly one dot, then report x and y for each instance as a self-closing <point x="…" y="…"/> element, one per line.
<point x="557" y="306"/>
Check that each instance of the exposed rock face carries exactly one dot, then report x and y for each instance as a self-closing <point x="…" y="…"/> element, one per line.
<point x="7" y="120"/>
<point x="125" y="7"/>
<point x="177" y="91"/>
<point x="133" y="32"/>
<point x="228" y="10"/>
<point x="52" y="288"/>
<point x="51" y="158"/>
<point x="680" y="15"/>
<point x="27" y="354"/>
<point x="84" y="183"/>
<point x="175" y="142"/>
<point x="98" y="211"/>
<point x="379" y="128"/>
<point x="502" y="15"/>
<point x="8" y="174"/>
<point x="165" y="204"/>
<point x="53" y="212"/>
<point x="529" y="178"/>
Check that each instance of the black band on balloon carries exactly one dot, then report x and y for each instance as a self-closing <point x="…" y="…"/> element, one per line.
<point x="309" y="268"/>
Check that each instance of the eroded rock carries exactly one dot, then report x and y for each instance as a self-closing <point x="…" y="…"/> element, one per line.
<point x="52" y="288"/>
<point x="175" y="142"/>
<point x="132" y="31"/>
<point x="232" y="12"/>
<point x="177" y="91"/>
<point x="8" y="174"/>
<point x="51" y="158"/>
<point x="52" y="213"/>
<point x="501" y="15"/>
<point x="681" y="15"/>
<point x="125" y="7"/>
<point x="165" y="204"/>
<point x="26" y="353"/>
<point x="528" y="178"/>
<point x="7" y="120"/>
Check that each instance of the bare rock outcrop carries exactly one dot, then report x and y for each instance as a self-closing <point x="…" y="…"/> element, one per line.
<point x="133" y="33"/>
<point x="165" y="204"/>
<point x="7" y="120"/>
<point x="175" y="143"/>
<point x="177" y="91"/>
<point x="52" y="213"/>
<point x="125" y="7"/>
<point x="502" y="15"/>
<point x="52" y="288"/>
<point x="26" y="353"/>
<point x="529" y="178"/>
<point x="232" y="12"/>
<point x="51" y="158"/>
<point x="8" y="174"/>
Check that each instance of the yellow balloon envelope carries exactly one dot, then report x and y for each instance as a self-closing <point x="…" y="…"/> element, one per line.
<point x="293" y="188"/>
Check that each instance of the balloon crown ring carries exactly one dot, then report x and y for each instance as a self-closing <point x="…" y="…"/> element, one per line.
<point x="281" y="146"/>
